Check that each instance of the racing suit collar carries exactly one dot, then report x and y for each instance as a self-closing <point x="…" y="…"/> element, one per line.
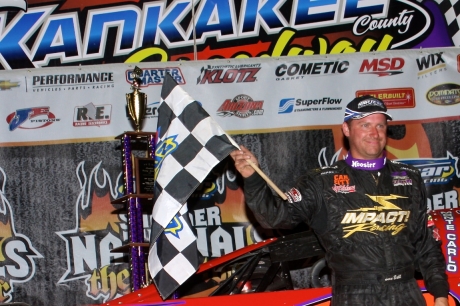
<point x="366" y="164"/>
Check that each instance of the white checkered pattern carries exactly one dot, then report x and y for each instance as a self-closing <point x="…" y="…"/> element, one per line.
<point x="190" y="144"/>
<point x="451" y="11"/>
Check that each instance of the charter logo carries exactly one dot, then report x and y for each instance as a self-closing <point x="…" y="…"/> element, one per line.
<point x="241" y="106"/>
<point x="156" y="76"/>
<point x="430" y="64"/>
<point x="92" y="115"/>
<point x="31" y="118"/>
<point x="97" y="231"/>
<point x="17" y="255"/>
<point x="228" y="74"/>
<point x="382" y="67"/>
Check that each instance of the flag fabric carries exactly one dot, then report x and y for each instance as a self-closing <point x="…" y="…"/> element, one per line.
<point x="451" y="11"/>
<point x="190" y="144"/>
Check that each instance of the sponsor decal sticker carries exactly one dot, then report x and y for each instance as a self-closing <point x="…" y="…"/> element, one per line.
<point x="430" y="65"/>
<point x="72" y="81"/>
<point x="227" y="74"/>
<point x="290" y="105"/>
<point x="92" y="115"/>
<point x="155" y="76"/>
<point x="451" y="246"/>
<point x="444" y="94"/>
<point x="241" y="106"/>
<point x="393" y="97"/>
<point x="401" y="179"/>
<point x="294" y="195"/>
<point x="297" y="71"/>
<point x="342" y="184"/>
<point x="31" y="118"/>
<point x="382" y="67"/>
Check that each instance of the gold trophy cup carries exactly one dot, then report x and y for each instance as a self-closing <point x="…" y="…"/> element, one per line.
<point x="136" y="100"/>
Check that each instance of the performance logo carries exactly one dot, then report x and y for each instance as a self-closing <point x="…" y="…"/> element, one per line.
<point x="383" y="217"/>
<point x="244" y="73"/>
<point x="382" y="67"/>
<point x="444" y="94"/>
<point x="92" y="115"/>
<point x="7" y="85"/>
<point x="435" y="171"/>
<point x="156" y="76"/>
<point x="401" y="179"/>
<point x="241" y="106"/>
<point x="342" y="184"/>
<point x="430" y="65"/>
<point x="403" y="97"/>
<point x="31" y="118"/>
<point x="296" y="71"/>
<point x="72" y="82"/>
<point x="97" y="231"/>
<point x="17" y="255"/>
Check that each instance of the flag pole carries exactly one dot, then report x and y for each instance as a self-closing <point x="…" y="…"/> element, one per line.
<point x="268" y="180"/>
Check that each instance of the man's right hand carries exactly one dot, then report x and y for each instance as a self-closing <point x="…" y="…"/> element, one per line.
<point x="240" y="157"/>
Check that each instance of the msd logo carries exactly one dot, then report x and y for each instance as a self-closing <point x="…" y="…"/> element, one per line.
<point x="382" y="67"/>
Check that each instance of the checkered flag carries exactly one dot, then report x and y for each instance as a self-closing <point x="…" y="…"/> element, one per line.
<point x="451" y="11"/>
<point x="190" y="144"/>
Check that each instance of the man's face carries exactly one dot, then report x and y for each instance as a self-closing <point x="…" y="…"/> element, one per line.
<point x="367" y="136"/>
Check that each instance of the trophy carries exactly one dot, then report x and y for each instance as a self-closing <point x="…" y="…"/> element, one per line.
<point x="136" y="100"/>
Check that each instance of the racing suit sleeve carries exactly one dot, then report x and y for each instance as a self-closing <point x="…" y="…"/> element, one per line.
<point x="270" y="210"/>
<point x="429" y="258"/>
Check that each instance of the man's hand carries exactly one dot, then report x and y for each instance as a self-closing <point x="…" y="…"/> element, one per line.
<point x="240" y="157"/>
<point x="441" y="301"/>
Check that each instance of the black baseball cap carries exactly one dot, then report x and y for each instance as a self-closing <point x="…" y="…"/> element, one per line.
<point x="364" y="106"/>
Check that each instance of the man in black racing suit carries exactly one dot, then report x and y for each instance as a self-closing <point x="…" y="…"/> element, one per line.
<point x="369" y="214"/>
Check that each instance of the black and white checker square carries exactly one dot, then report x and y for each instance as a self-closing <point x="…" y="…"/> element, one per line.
<point x="451" y="11"/>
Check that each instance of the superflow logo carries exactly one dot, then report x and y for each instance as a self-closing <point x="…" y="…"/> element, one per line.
<point x="227" y="74"/>
<point x="97" y="231"/>
<point x="241" y="106"/>
<point x="31" y="118"/>
<point x="156" y="76"/>
<point x="430" y="64"/>
<point x="382" y="67"/>
<point x="17" y="254"/>
<point x="289" y="105"/>
<point x="92" y="115"/>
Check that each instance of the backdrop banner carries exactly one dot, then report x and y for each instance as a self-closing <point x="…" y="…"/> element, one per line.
<point x="60" y="165"/>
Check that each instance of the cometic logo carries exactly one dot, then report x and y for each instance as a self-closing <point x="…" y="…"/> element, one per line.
<point x="382" y="67"/>
<point x="156" y="76"/>
<point x="31" y="118"/>
<point x="92" y="115"/>
<point x="228" y="74"/>
<point x="298" y="71"/>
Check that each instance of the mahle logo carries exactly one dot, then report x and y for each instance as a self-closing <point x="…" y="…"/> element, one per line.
<point x="17" y="255"/>
<point x="97" y="231"/>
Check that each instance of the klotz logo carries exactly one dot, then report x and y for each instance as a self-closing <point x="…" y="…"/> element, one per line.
<point x="97" y="231"/>
<point x="31" y="118"/>
<point x="382" y="67"/>
<point x="17" y="255"/>
<point x="430" y="64"/>
<point x="92" y="115"/>
<point x="242" y="106"/>
<point x="228" y="74"/>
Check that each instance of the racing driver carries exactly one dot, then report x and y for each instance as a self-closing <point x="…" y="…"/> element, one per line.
<point x="369" y="213"/>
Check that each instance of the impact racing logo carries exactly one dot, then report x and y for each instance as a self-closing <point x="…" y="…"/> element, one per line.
<point x="289" y="105"/>
<point x="156" y="76"/>
<point x="228" y="74"/>
<point x="241" y="106"/>
<point x="31" y="118"/>
<point x="97" y="231"/>
<point x="382" y="67"/>
<point x="92" y="115"/>
<point x="17" y="255"/>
